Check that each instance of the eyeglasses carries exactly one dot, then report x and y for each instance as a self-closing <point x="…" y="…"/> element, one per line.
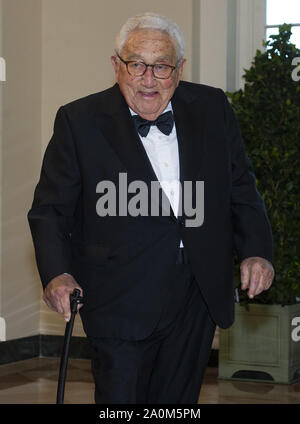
<point x="137" y="69"/>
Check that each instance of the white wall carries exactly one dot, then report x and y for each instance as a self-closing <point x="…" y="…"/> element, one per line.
<point x="21" y="138"/>
<point x="2" y="322"/>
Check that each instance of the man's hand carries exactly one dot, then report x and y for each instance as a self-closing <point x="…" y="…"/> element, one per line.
<point x="256" y="275"/>
<point x="57" y="294"/>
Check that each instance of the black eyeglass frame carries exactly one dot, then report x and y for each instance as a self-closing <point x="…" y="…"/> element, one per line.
<point x="126" y="62"/>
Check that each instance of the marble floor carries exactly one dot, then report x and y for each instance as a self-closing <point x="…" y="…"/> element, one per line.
<point x="34" y="381"/>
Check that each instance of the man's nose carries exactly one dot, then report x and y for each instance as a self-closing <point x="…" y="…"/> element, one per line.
<point x="148" y="78"/>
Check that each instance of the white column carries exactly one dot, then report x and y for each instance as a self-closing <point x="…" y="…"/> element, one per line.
<point x="250" y="32"/>
<point x="210" y="42"/>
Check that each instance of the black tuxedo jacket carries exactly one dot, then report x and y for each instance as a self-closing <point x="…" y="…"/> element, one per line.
<point x="125" y="264"/>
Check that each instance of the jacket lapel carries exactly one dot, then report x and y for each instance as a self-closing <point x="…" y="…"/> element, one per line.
<point x="118" y="128"/>
<point x="189" y="119"/>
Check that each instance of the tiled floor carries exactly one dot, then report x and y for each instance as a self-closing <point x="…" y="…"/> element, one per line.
<point x="34" y="381"/>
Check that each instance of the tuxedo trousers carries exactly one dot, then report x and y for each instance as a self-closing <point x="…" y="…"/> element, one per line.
<point x="168" y="366"/>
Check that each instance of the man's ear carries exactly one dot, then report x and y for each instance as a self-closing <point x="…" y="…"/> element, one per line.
<point x="180" y="70"/>
<point x="181" y="67"/>
<point x="115" y="63"/>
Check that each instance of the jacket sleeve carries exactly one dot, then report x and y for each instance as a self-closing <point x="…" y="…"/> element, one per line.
<point x="51" y="216"/>
<point x="252" y="234"/>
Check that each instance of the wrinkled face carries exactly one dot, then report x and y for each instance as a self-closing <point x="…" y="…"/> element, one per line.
<point x="147" y="95"/>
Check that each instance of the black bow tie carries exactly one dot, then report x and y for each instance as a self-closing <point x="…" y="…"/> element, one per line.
<point x="164" y="123"/>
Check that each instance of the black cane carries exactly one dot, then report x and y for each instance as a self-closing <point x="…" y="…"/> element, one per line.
<point x="75" y="299"/>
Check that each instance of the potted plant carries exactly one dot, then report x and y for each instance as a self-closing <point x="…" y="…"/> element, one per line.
<point x="263" y="343"/>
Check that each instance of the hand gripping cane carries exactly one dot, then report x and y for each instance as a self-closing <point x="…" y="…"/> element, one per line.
<point x="75" y="300"/>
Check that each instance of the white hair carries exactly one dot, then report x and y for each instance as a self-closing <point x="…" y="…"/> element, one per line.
<point x="152" y="21"/>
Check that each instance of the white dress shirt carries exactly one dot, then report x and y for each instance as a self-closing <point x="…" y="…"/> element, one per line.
<point x="162" y="151"/>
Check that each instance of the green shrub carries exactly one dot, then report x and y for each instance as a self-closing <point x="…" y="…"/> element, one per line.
<point x="268" y="110"/>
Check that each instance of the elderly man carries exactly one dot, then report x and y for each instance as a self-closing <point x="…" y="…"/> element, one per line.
<point x="155" y="284"/>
